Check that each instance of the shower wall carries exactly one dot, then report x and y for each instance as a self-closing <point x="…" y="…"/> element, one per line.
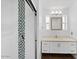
<point x="9" y="29"/>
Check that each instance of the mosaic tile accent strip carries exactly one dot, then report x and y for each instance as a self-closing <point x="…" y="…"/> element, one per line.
<point x="21" y="29"/>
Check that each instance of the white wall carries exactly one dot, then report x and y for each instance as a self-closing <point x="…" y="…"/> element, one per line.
<point x="45" y="8"/>
<point x="73" y="19"/>
<point x="45" y="32"/>
<point x="9" y="29"/>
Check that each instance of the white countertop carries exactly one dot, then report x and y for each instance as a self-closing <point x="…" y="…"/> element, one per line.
<point x="58" y="38"/>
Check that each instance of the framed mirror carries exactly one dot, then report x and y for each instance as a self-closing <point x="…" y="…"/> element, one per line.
<point x="56" y="23"/>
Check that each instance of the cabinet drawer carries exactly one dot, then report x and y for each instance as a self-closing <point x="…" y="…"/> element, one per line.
<point x="55" y="47"/>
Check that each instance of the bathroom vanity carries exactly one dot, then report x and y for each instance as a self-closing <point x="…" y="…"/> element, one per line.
<point x="58" y="45"/>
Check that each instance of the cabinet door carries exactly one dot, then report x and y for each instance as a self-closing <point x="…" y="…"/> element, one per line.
<point x="29" y="33"/>
<point x="63" y="47"/>
<point x="68" y="47"/>
<point x="55" y="47"/>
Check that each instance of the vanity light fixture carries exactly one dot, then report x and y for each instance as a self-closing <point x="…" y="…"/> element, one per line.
<point x="56" y="11"/>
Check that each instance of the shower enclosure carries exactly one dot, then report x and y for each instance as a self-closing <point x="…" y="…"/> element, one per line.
<point x="18" y="29"/>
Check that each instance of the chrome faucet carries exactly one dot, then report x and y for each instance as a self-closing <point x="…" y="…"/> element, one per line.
<point x="56" y="36"/>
